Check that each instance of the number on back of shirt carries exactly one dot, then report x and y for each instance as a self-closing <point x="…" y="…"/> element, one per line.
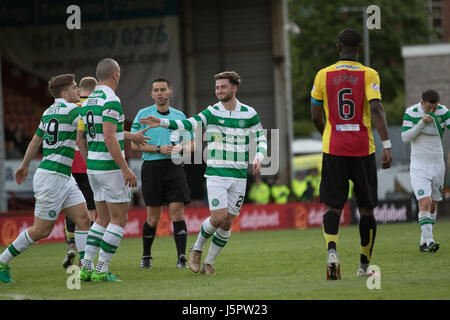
<point x="51" y="132"/>
<point x="346" y="106"/>
<point x="90" y="126"/>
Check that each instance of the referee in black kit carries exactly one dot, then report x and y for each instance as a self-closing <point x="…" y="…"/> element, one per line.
<point x="163" y="181"/>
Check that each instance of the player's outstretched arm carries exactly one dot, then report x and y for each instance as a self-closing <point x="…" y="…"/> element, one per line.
<point x="152" y="121"/>
<point x="188" y="124"/>
<point x="137" y="137"/>
<point x="379" y="119"/>
<point x="21" y="173"/>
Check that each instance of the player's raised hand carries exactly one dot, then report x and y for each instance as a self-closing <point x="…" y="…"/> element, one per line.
<point x="152" y="121"/>
<point x="386" y="159"/>
<point x="21" y="174"/>
<point x="256" y="166"/>
<point x="140" y="138"/>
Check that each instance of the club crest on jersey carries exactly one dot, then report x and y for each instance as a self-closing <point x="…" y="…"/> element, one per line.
<point x="375" y="87"/>
<point x="241" y="123"/>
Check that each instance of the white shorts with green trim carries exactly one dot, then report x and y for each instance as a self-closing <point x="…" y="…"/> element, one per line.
<point x="226" y="193"/>
<point x="54" y="192"/>
<point x="109" y="187"/>
<point x="428" y="180"/>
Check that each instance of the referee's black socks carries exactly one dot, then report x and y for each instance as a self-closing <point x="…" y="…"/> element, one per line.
<point x="148" y="235"/>
<point x="330" y="228"/>
<point x="367" y="232"/>
<point x="180" y="236"/>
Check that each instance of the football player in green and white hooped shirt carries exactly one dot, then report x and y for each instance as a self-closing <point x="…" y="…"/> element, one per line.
<point x="423" y="126"/>
<point x="108" y="172"/>
<point x="54" y="188"/>
<point x="229" y="127"/>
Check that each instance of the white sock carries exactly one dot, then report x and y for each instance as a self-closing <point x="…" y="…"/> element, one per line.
<point x="80" y="241"/>
<point x="205" y="233"/>
<point x="433" y="217"/>
<point x="422" y="239"/>
<point x="110" y="243"/>
<point x="219" y="240"/>
<point x="426" y="224"/>
<point x="93" y="241"/>
<point x="19" y="245"/>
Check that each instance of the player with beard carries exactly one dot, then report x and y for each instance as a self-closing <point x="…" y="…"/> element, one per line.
<point x="230" y="125"/>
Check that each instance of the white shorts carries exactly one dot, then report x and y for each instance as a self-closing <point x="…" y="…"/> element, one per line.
<point x="54" y="192"/>
<point x="428" y="180"/>
<point x="109" y="187"/>
<point x="226" y="193"/>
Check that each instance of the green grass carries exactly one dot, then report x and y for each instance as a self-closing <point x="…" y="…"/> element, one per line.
<point x="287" y="264"/>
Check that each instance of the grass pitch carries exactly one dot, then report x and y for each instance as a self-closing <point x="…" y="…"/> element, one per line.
<point x="280" y="265"/>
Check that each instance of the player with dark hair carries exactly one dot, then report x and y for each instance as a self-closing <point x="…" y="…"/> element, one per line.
<point x="423" y="126"/>
<point x="229" y="125"/>
<point x="349" y="94"/>
<point x="163" y="181"/>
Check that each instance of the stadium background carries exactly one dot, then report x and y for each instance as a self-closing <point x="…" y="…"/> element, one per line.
<point x="188" y="42"/>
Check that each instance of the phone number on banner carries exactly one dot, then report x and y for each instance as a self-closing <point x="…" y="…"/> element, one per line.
<point x="109" y="38"/>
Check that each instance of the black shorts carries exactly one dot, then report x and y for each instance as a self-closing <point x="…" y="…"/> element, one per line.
<point x="164" y="182"/>
<point x="337" y="170"/>
<point x="83" y="184"/>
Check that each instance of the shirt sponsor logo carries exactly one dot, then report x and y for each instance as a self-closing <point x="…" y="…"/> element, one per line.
<point x="375" y="87"/>
<point x="347" y="127"/>
<point x="348" y="66"/>
<point x="112" y="113"/>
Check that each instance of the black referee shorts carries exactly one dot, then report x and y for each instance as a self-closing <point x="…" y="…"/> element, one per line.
<point x="338" y="170"/>
<point x="83" y="184"/>
<point x="164" y="182"/>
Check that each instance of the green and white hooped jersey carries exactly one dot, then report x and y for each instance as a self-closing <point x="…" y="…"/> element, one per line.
<point x="102" y="105"/>
<point x="228" y="135"/>
<point x="58" y="129"/>
<point x="427" y="147"/>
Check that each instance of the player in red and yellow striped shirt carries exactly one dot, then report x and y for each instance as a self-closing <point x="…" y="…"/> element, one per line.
<point x="349" y="95"/>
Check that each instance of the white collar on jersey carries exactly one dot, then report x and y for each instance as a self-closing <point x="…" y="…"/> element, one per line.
<point x="104" y="88"/>
<point x="61" y="100"/>
<point x="236" y="108"/>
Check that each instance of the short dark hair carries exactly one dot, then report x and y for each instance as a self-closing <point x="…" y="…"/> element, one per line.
<point x="105" y="68"/>
<point x="232" y="76"/>
<point x="59" y="83"/>
<point x="349" y="37"/>
<point x="163" y="80"/>
<point x="430" y="96"/>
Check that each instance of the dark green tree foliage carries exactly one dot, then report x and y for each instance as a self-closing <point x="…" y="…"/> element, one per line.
<point x="402" y="23"/>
